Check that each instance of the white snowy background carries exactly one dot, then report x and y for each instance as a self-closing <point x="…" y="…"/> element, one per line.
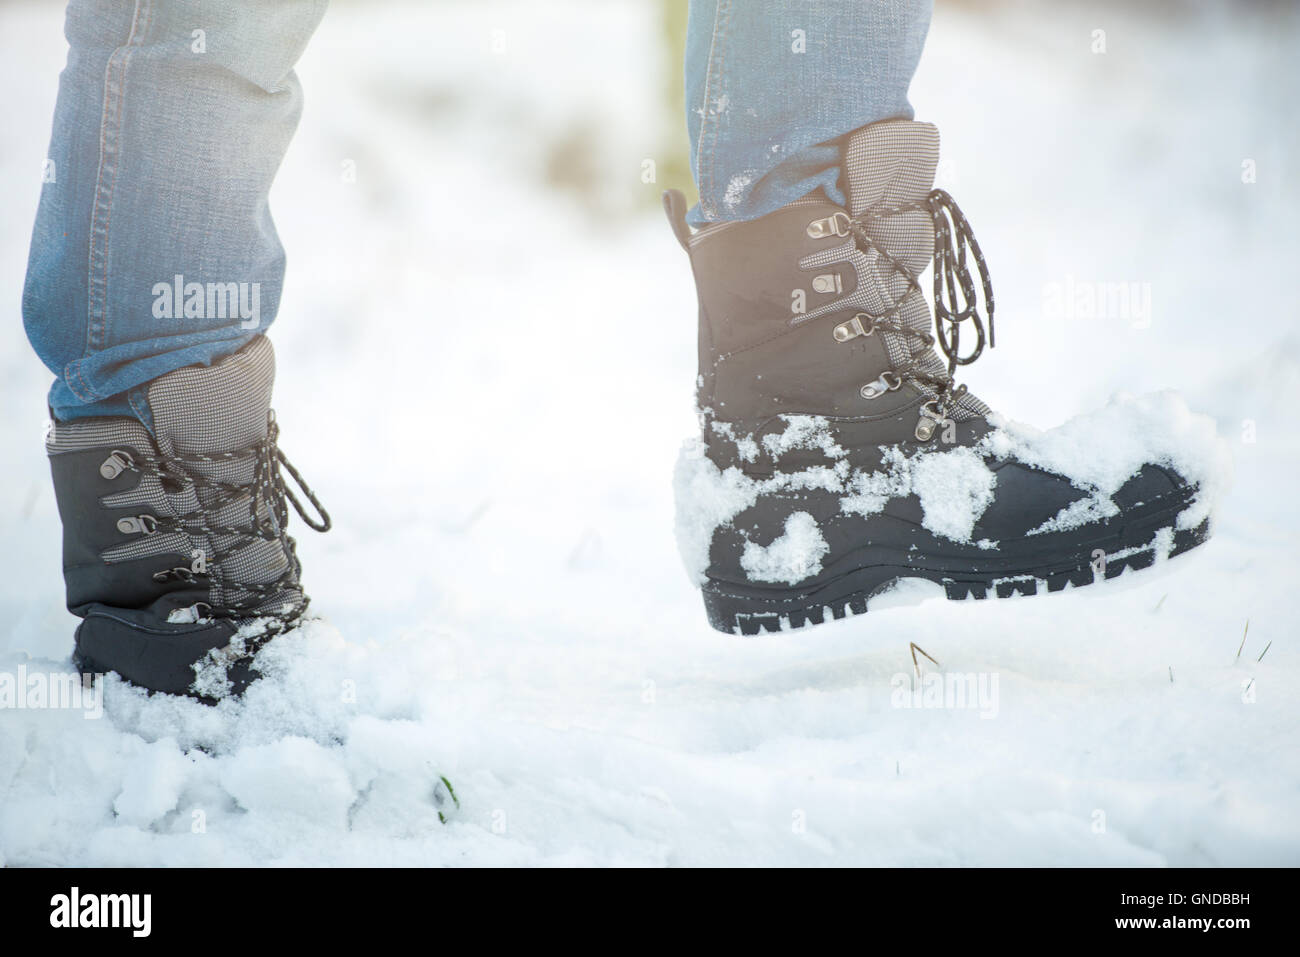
<point x="486" y="365"/>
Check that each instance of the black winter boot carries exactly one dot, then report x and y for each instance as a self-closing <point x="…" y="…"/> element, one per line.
<point x="175" y="552"/>
<point x="839" y="456"/>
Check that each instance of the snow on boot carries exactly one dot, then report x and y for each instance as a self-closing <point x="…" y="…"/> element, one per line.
<point x="175" y="553"/>
<point x="839" y="456"/>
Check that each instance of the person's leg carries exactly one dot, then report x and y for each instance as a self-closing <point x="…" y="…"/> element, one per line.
<point x="155" y="268"/>
<point x="172" y="118"/>
<point x="771" y="87"/>
<point x="838" y="454"/>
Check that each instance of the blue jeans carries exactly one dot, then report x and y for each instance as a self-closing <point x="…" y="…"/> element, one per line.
<point x="772" y="84"/>
<point x="154" y="247"/>
<point x="172" y="119"/>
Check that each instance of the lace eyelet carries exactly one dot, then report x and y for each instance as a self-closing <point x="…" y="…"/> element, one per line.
<point x="888" y="382"/>
<point x="852" y="328"/>
<point x="137" y="525"/>
<point x="838" y="224"/>
<point x="116" y="463"/>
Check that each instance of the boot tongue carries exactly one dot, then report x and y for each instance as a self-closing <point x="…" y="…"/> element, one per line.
<point x="890" y="163"/>
<point x="203" y="410"/>
<point x="217" y="408"/>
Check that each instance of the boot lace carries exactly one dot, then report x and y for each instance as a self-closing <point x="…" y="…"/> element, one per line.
<point x="956" y="300"/>
<point x="268" y="497"/>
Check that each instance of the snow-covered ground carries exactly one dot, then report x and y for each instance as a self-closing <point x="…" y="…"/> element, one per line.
<point x="487" y="378"/>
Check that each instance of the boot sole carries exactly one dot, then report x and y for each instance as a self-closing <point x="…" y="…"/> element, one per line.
<point x="745" y="610"/>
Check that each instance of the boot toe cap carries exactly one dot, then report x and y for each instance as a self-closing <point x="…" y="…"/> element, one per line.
<point x="145" y="650"/>
<point x="1151" y="484"/>
<point x="1027" y="498"/>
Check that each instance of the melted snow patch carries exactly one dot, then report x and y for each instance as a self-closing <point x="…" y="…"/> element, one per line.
<point x="954" y="488"/>
<point x="746" y="447"/>
<point x="1163" y="544"/>
<point x="1095" y="508"/>
<point x="792" y="557"/>
<point x="871" y="491"/>
<point x="1097" y="452"/>
<point x="211" y="672"/>
<point x="708" y="498"/>
<point x="803" y="432"/>
<point x="738" y="186"/>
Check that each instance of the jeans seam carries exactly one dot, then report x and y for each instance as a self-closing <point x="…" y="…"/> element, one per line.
<point x="139" y="403"/>
<point x="86" y="393"/>
<point x="105" y="183"/>
<point x="713" y="81"/>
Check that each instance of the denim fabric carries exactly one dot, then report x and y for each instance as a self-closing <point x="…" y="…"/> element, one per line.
<point x="172" y="118"/>
<point x="155" y="229"/>
<point x="772" y="85"/>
